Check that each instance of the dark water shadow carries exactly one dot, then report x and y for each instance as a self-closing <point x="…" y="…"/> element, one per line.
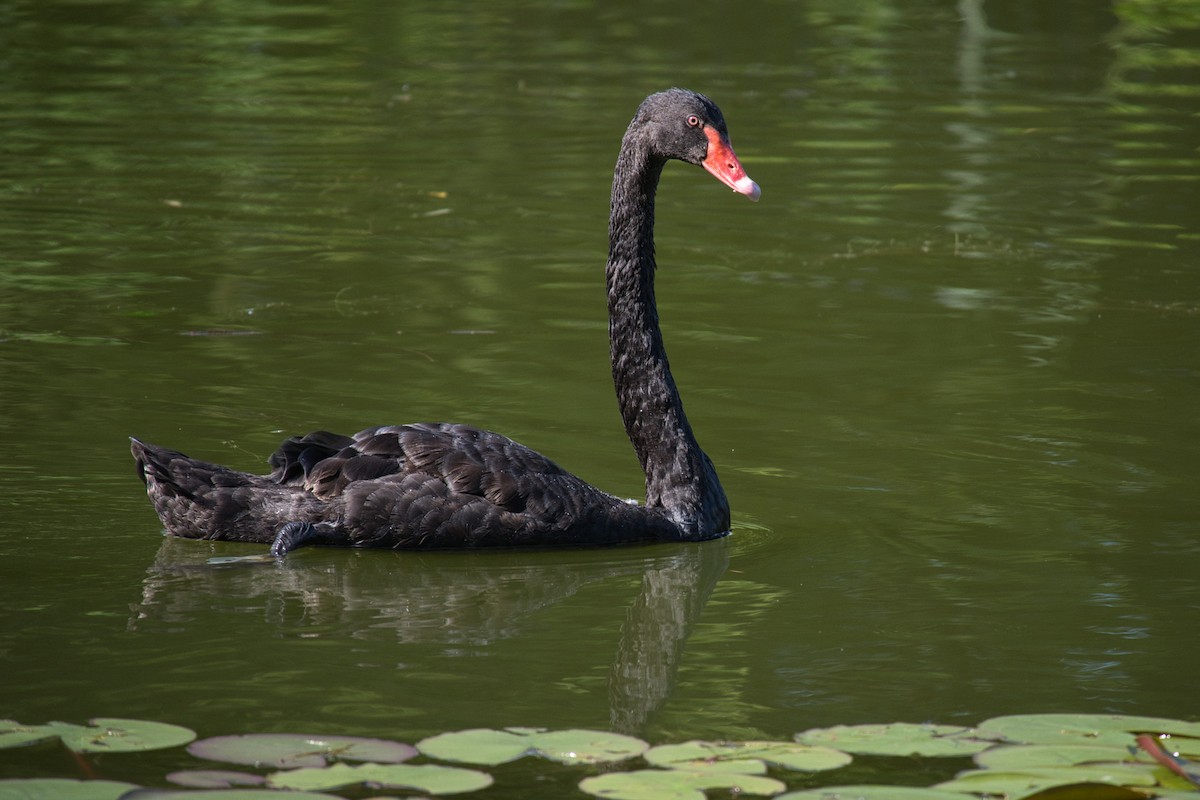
<point x="462" y="600"/>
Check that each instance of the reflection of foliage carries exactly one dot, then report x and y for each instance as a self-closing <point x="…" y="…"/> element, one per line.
<point x="1153" y="18"/>
<point x="1146" y="43"/>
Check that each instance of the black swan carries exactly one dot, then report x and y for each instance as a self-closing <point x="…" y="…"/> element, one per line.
<point x="431" y="485"/>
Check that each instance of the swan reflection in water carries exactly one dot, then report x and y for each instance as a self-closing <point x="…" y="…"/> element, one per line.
<point x="463" y="601"/>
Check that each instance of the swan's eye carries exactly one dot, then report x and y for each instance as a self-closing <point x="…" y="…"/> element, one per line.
<point x="693" y="121"/>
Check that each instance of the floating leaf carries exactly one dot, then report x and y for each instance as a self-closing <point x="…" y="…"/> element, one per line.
<point x="101" y="735"/>
<point x="1018" y="757"/>
<point x="430" y="778"/>
<point x="491" y="747"/>
<point x="1180" y="745"/>
<point x="1181" y="767"/>
<point x="14" y="734"/>
<point x="1019" y="783"/>
<point x="214" y="778"/>
<point x="713" y="756"/>
<point x="1113" y="730"/>
<point x="899" y="739"/>
<point x="1087" y="791"/>
<point x="676" y="784"/>
<point x="476" y="746"/>
<point x="113" y="735"/>
<point x="746" y="757"/>
<point x="869" y="792"/>
<point x="61" y="789"/>
<point x="285" y="750"/>
<point x="586" y="747"/>
<point x="225" y="794"/>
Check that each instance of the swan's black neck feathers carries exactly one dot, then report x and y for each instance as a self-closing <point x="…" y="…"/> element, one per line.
<point x="680" y="478"/>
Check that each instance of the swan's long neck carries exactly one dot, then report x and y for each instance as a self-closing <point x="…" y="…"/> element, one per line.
<point x="680" y="478"/>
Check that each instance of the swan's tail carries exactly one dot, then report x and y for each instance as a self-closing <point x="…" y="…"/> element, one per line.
<point x="199" y="500"/>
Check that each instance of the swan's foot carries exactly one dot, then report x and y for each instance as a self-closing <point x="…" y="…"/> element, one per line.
<point x="299" y="534"/>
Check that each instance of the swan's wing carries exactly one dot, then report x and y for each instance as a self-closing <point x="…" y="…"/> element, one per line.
<point x="443" y="484"/>
<point x="468" y="460"/>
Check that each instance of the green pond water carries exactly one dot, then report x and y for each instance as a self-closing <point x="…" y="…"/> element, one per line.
<point x="948" y="368"/>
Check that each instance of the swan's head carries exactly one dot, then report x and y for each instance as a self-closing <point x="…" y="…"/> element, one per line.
<point x="688" y="126"/>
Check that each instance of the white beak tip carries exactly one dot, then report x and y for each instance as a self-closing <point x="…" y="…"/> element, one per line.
<point x="748" y="187"/>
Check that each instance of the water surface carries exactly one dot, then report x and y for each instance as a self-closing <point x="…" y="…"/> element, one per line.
<point x="947" y="368"/>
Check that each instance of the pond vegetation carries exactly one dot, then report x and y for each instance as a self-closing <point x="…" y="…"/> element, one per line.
<point x="1019" y="757"/>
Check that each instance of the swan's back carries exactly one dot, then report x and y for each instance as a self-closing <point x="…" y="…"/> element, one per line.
<point x="453" y="485"/>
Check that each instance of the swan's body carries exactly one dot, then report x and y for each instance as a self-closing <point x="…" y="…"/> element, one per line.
<point x="446" y="485"/>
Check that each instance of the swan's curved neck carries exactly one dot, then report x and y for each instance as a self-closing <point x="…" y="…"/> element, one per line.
<point x="680" y="478"/>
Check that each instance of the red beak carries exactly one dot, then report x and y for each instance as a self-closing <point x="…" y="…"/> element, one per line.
<point x="722" y="163"/>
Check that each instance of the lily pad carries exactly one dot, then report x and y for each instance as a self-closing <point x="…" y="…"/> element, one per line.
<point x="287" y="750"/>
<point x="61" y="789"/>
<point x="214" y="778"/>
<point x="476" y="746"/>
<point x="114" y="735"/>
<point x="899" y="739"/>
<point x="429" y="778"/>
<point x="491" y="747"/>
<point x="14" y="734"/>
<point x="870" y="792"/>
<point x="1018" y="783"/>
<point x="1018" y="757"/>
<point x="746" y="757"/>
<point x="1113" y="730"/>
<point x="225" y="794"/>
<point x="1088" y="791"/>
<point x="586" y="747"/>
<point x="101" y="735"/>
<point x="676" y="784"/>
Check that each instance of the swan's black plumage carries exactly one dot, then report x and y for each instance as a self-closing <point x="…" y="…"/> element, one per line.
<point x="445" y="485"/>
